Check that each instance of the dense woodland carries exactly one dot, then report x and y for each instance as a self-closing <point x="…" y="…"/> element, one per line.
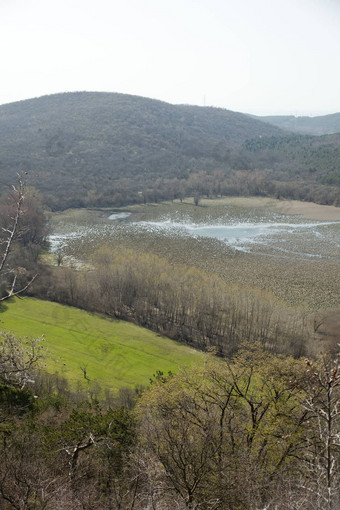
<point x="258" y="425"/>
<point x="86" y="149"/>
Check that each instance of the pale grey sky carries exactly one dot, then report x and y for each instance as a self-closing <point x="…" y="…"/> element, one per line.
<point x="255" y="56"/>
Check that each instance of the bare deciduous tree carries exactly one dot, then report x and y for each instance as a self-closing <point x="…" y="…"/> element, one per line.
<point x="323" y="404"/>
<point x="18" y="358"/>
<point x="9" y="233"/>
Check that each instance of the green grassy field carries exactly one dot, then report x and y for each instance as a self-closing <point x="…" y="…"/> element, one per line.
<point x="115" y="353"/>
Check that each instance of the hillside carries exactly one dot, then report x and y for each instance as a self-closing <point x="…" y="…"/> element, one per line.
<point x="115" y="353"/>
<point x="83" y="141"/>
<point x="95" y="149"/>
<point x="320" y="125"/>
<point x="299" y="156"/>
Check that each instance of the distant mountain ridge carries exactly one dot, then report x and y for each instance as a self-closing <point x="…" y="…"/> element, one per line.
<point x="320" y="125"/>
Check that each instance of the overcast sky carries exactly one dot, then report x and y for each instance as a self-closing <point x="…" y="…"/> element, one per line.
<point x="256" y="56"/>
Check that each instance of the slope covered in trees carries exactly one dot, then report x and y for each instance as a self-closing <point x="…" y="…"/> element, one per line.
<point x="111" y="149"/>
<point x="320" y="125"/>
<point x="89" y="140"/>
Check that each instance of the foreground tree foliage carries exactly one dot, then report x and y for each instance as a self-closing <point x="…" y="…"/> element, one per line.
<point x="249" y="433"/>
<point x="323" y="403"/>
<point x="57" y="453"/>
<point x="18" y="358"/>
<point x="232" y="421"/>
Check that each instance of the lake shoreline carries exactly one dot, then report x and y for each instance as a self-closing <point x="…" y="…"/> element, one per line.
<point x="308" y="210"/>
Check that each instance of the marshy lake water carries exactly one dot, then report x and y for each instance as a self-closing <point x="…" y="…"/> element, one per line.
<point x="272" y="234"/>
<point x="247" y="243"/>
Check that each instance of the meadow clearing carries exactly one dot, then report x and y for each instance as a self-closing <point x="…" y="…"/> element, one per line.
<point x="114" y="353"/>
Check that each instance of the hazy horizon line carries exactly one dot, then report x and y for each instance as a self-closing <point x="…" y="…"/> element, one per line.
<point x="268" y="113"/>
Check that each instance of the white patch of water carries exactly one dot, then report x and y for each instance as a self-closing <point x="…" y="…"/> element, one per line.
<point x="57" y="241"/>
<point x="119" y="216"/>
<point x="238" y="235"/>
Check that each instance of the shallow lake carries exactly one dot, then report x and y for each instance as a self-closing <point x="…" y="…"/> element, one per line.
<point x="258" y="246"/>
<point x="245" y="236"/>
<point x="274" y="234"/>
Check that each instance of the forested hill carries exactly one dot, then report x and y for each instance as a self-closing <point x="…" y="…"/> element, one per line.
<point x="89" y="139"/>
<point x="91" y="148"/>
<point x="320" y="125"/>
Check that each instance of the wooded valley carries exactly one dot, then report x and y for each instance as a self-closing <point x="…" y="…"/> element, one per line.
<point x="254" y="421"/>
